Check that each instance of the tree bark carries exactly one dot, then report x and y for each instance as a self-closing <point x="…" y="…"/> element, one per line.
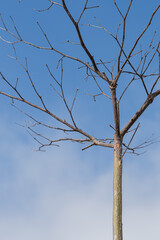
<point x="117" y="189"/>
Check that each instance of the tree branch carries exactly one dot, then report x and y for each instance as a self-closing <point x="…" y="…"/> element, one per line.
<point x="145" y="105"/>
<point x="80" y="36"/>
<point x="64" y="122"/>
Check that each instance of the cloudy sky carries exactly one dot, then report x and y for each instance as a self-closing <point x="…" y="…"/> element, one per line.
<point x="66" y="193"/>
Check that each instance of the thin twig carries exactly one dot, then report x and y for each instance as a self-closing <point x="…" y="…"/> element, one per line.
<point x="74" y="99"/>
<point x="131" y="140"/>
<point x="85" y="7"/>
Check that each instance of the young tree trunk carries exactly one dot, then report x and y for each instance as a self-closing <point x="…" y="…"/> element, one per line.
<point x="117" y="189"/>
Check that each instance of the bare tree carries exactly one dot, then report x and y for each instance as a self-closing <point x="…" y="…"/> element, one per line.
<point x="134" y="64"/>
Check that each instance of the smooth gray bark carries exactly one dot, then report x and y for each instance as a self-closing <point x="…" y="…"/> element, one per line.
<point x="117" y="190"/>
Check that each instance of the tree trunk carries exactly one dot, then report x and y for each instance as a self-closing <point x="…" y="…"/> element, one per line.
<point x="117" y="190"/>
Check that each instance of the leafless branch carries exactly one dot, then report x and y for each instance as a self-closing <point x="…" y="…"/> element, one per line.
<point x="133" y="48"/>
<point x="106" y="68"/>
<point x="47" y="9"/>
<point x="74" y="99"/>
<point x="39" y="123"/>
<point x="80" y="36"/>
<point x="93" y="70"/>
<point x="91" y="145"/>
<point x="102" y="92"/>
<point x="51" y="48"/>
<point x="124" y="32"/>
<point x="131" y="140"/>
<point x="56" y="3"/>
<point x="43" y="10"/>
<point x="148" y="101"/>
<point x="64" y="122"/>
<point x="68" y="41"/>
<point x="85" y="7"/>
<point x="118" y="9"/>
<point x="148" y="142"/>
<point x="29" y="76"/>
<point x="14" y="88"/>
<point x="16" y="29"/>
<point x="136" y="42"/>
<point x="127" y="58"/>
<point x="63" y="96"/>
<point x="156" y="81"/>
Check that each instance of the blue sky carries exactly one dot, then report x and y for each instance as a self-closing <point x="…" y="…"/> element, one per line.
<point x="66" y="192"/>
